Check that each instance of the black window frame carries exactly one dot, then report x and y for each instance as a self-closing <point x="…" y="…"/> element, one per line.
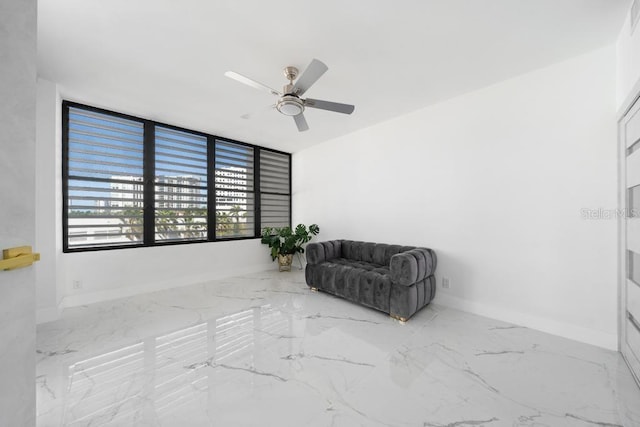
<point x="149" y="182"/>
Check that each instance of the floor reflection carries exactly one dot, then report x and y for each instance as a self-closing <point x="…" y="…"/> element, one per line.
<point x="159" y="375"/>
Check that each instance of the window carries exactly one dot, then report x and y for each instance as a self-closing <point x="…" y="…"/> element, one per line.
<point x="104" y="189"/>
<point x="180" y="185"/>
<point x="131" y="182"/>
<point x="235" y="196"/>
<point x="275" y="187"/>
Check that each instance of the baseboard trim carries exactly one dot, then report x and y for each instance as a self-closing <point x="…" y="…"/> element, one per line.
<point x="129" y="291"/>
<point x="602" y="339"/>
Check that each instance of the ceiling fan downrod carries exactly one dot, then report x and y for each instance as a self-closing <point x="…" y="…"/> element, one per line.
<point x="290" y="104"/>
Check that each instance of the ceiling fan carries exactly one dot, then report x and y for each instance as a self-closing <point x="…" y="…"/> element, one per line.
<point x="289" y="101"/>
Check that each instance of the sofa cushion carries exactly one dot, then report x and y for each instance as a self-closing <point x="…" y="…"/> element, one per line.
<point x="366" y="283"/>
<point x="376" y="253"/>
<point x="351" y="249"/>
<point x="323" y="251"/>
<point x="369" y="266"/>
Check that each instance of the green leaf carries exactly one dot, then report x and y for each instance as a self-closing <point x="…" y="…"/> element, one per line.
<point x="285" y="241"/>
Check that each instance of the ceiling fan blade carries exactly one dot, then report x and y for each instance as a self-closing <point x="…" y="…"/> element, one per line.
<point x="301" y="122"/>
<point x="328" y="105"/>
<point x="249" y="82"/>
<point x="314" y="71"/>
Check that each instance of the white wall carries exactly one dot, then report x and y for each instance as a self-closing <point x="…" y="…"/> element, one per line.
<point x="123" y="272"/>
<point x="628" y="63"/>
<point x="17" y="194"/>
<point x="494" y="181"/>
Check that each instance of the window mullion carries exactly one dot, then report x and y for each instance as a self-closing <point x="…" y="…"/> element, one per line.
<point x="290" y="194"/>
<point x="211" y="189"/>
<point x="65" y="176"/>
<point x="149" y="173"/>
<point x="256" y="189"/>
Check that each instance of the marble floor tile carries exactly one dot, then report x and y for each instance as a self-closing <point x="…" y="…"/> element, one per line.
<point x="263" y="350"/>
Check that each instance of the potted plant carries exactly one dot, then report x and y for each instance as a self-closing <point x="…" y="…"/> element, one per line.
<point x="285" y="242"/>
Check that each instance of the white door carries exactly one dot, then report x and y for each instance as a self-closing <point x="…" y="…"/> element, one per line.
<point x="629" y="131"/>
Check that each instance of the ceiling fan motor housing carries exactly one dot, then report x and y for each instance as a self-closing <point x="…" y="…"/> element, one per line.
<point x="289" y="104"/>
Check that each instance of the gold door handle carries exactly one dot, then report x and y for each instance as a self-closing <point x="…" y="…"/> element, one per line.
<point x="19" y="257"/>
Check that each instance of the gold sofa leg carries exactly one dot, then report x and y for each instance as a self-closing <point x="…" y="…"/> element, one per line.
<point x="400" y="319"/>
<point x="314" y="289"/>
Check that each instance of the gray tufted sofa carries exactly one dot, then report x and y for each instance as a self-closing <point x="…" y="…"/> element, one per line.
<point x="394" y="279"/>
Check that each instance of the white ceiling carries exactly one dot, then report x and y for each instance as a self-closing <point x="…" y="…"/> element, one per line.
<point x="165" y="59"/>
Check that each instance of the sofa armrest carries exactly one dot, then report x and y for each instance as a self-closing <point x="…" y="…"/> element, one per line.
<point x="318" y="253"/>
<point x="412" y="266"/>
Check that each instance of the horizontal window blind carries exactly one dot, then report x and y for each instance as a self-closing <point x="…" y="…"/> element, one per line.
<point x="130" y="182"/>
<point x="275" y="197"/>
<point x="234" y="189"/>
<point x="180" y="185"/>
<point x="104" y="186"/>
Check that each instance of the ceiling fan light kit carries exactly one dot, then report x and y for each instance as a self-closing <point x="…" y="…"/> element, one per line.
<point x="289" y="102"/>
<point x="290" y="105"/>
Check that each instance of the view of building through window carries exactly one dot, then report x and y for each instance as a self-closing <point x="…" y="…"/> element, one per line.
<point x="176" y="195"/>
